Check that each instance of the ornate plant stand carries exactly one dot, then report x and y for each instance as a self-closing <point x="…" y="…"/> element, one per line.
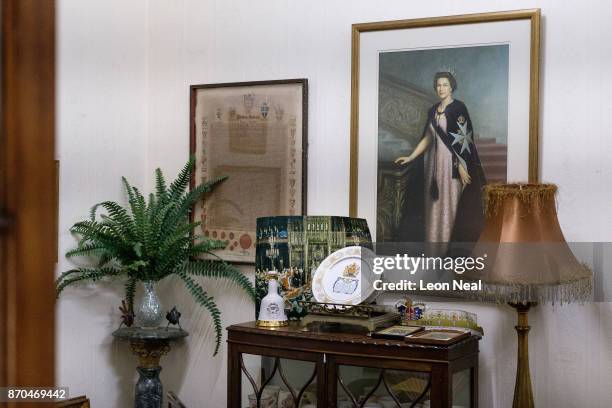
<point x="149" y="345"/>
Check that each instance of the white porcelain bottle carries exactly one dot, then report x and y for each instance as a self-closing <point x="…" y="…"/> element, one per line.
<point x="272" y="308"/>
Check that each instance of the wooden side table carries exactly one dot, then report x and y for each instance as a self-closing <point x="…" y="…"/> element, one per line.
<point x="330" y="351"/>
<point x="149" y="345"/>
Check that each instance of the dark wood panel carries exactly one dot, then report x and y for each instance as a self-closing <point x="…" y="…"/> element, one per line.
<point x="264" y="350"/>
<point x="293" y="338"/>
<point x="392" y="364"/>
<point x="28" y="190"/>
<point x="441" y="386"/>
<point x="332" y="350"/>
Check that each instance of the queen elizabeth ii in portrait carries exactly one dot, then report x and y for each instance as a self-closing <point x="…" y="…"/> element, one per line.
<point x="453" y="174"/>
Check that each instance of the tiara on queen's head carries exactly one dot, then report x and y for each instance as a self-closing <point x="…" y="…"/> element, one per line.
<point x="446" y="68"/>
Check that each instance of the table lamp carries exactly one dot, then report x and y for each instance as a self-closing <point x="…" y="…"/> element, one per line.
<point x="528" y="261"/>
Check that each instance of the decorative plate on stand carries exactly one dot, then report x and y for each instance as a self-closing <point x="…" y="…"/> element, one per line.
<point x="345" y="277"/>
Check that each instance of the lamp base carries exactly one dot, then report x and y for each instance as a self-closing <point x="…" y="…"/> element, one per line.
<point x="523" y="394"/>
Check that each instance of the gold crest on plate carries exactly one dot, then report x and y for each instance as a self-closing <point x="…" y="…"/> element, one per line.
<point x="350" y="271"/>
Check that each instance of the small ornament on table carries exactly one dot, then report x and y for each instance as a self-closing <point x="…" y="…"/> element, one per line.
<point x="272" y="308"/>
<point x="409" y="312"/>
<point x="173" y="317"/>
<point x="401" y="309"/>
<point x="127" y="315"/>
<point x="419" y="310"/>
<point x="404" y="308"/>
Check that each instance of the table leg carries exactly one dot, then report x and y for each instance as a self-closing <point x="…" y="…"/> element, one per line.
<point x="329" y="382"/>
<point x="441" y="386"/>
<point x="234" y="377"/>
<point x="474" y="385"/>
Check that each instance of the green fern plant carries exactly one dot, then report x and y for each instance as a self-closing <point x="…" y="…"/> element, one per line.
<point x="150" y="240"/>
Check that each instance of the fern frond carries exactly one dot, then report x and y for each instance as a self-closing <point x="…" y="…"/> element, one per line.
<point x="103" y="235"/>
<point x="116" y="213"/>
<point x="160" y="187"/>
<point x="86" y="229"/>
<point x="152" y="206"/>
<point x="219" y="270"/>
<point x="178" y="186"/>
<point x="128" y="189"/>
<point x="208" y="302"/>
<point x="79" y="274"/>
<point x="210" y="184"/>
<point x="187" y="202"/>
<point x="64" y="275"/>
<point x="104" y="259"/>
<point x="179" y="231"/>
<point x="141" y="221"/>
<point x="130" y="291"/>
<point x="88" y="249"/>
<point x="171" y="257"/>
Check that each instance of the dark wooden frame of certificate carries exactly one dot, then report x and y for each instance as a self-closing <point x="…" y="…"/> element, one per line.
<point x="303" y="146"/>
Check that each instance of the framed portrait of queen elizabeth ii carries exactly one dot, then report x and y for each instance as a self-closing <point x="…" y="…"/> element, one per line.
<point x="439" y="108"/>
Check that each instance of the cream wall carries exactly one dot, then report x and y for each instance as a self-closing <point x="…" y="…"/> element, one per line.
<point x="101" y="135"/>
<point x="124" y="72"/>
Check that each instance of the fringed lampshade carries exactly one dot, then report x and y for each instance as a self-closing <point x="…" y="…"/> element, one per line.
<point x="528" y="257"/>
<point x="528" y="262"/>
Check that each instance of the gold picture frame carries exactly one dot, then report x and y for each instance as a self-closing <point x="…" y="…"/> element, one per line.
<point x="365" y="34"/>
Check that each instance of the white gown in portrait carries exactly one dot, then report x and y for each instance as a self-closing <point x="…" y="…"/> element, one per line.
<point x="440" y="214"/>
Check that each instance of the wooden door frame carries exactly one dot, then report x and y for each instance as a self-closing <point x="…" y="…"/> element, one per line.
<point x="27" y="193"/>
